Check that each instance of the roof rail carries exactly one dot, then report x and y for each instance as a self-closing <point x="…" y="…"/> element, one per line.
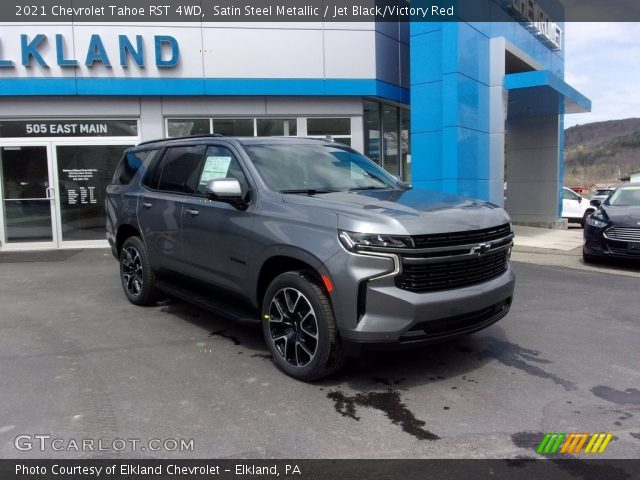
<point x="185" y="137"/>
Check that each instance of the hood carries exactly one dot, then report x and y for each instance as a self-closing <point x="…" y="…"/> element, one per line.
<point x="623" y="216"/>
<point x="404" y="212"/>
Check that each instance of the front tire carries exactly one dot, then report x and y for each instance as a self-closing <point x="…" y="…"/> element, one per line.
<point x="299" y="327"/>
<point x="137" y="276"/>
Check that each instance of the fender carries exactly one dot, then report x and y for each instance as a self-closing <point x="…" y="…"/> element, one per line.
<point x="284" y="250"/>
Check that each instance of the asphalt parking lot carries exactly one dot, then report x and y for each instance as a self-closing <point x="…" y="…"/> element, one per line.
<point x="77" y="361"/>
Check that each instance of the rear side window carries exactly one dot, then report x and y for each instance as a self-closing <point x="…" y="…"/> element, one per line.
<point x="180" y="169"/>
<point x="129" y="165"/>
<point x="569" y="195"/>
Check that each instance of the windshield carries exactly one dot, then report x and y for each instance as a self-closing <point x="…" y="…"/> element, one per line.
<point x="320" y="168"/>
<point x="625" y="197"/>
<point x="604" y="192"/>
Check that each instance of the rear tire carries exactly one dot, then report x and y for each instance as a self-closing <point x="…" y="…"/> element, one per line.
<point x="136" y="275"/>
<point x="299" y="327"/>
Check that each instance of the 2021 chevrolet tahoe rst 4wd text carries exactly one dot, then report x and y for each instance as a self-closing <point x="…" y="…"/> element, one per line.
<point x="310" y="239"/>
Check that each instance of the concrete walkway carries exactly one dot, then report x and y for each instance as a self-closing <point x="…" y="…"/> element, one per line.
<point x="533" y="237"/>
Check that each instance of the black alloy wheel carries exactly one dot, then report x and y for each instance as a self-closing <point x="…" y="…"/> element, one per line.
<point x="136" y="274"/>
<point x="293" y="327"/>
<point x="300" y="328"/>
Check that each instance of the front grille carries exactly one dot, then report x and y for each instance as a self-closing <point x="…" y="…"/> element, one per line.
<point x="461" y="238"/>
<point x="623" y="234"/>
<point x="455" y="260"/>
<point x="452" y="274"/>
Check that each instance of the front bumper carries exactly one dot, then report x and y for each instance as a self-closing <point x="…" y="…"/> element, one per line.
<point x="598" y="245"/>
<point x="377" y="312"/>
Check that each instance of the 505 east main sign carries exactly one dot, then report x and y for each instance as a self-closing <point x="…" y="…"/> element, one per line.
<point x="131" y="51"/>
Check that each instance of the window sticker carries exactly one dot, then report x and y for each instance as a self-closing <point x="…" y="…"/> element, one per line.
<point x="214" y="168"/>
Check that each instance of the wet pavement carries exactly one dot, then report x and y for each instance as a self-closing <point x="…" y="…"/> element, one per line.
<point x="77" y="361"/>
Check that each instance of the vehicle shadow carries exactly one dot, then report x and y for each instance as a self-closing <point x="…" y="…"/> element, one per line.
<point x="381" y="380"/>
<point x="380" y="370"/>
<point x="247" y="337"/>
<point x="403" y="369"/>
<point x="617" y="264"/>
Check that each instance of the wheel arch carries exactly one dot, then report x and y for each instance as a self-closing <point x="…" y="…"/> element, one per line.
<point x="125" y="231"/>
<point x="283" y="260"/>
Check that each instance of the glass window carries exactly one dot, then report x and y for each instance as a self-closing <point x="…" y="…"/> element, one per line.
<point x="233" y="127"/>
<point x="152" y="176"/>
<point x="569" y="195"/>
<point x="626" y="196"/>
<point x="181" y="128"/>
<point x="391" y="143"/>
<point x="219" y="162"/>
<point x="372" y="131"/>
<point x="405" y="145"/>
<point x="83" y="175"/>
<point x="180" y="169"/>
<point x="269" y="127"/>
<point x="318" y="168"/>
<point x="328" y="126"/>
<point x="129" y="166"/>
<point x="338" y="128"/>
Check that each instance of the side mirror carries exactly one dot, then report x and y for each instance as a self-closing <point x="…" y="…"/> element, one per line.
<point x="595" y="203"/>
<point x="224" y="189"/>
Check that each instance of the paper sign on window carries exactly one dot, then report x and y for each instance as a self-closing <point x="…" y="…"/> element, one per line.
<point x="214" y="168"/>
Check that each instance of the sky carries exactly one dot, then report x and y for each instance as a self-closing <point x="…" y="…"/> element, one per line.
<point x="602" y="61"/>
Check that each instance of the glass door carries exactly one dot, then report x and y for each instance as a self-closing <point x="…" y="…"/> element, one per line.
<point x="27" y="212"/>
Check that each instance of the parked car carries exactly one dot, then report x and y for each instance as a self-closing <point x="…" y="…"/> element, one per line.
<point x="575" y="208"/>
<point x="602" y="194"/>
<point x="318" y="244"/>
<point x="614" y="229"/>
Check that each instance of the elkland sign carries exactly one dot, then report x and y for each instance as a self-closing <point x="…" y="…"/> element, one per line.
<point x="131" y="51"/>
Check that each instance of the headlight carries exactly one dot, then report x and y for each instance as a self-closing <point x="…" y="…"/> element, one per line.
<point x="353" y="240"/>
<point x="597" y="219"/>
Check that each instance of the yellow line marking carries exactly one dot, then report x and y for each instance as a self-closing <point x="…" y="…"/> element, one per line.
<point x="605" y="443"/>
<point x="601" y="436"/>
<point x="590" y="444"/>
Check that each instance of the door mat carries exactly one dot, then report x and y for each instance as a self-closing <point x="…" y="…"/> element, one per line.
<point x="38" y="256"/>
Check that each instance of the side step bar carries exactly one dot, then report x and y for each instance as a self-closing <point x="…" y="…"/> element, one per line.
<point x="208" y="301"/>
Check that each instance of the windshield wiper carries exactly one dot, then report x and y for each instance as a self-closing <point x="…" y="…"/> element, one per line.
<point x="307" y="191"/>
<point x="354" y="189"/>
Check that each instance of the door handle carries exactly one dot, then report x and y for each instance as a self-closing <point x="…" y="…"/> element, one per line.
<point x="191" y="212"/>
<point x="50" y="193"/>
<point x="147" y="205"/>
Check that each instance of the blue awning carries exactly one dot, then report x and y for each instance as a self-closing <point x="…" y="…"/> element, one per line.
<point x="542" y="93"/>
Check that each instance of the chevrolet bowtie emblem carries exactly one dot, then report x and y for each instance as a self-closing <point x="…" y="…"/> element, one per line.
<point x="481" y="249"/>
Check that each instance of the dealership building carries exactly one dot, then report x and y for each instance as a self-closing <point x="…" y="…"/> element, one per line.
<point x="455" y="107"/>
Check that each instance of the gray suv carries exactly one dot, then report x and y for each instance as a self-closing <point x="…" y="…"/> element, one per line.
<point x="310" y="239"/>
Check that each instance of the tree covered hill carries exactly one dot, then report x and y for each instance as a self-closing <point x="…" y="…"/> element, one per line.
<point x="600" y="152"/>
